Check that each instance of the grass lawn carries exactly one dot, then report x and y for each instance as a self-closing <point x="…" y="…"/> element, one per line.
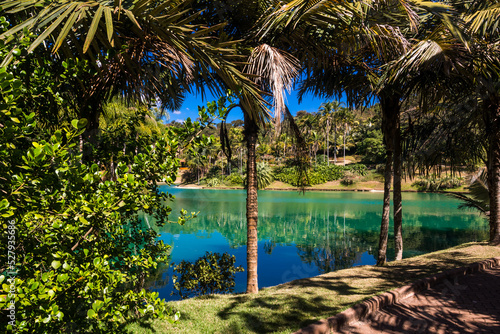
<point x="288" y="307"/>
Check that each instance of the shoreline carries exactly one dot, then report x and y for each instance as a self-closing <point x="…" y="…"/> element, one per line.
<point x="373" y="190"/>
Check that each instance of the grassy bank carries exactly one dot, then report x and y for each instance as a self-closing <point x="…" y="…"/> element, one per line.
<point x="286" y="308"/>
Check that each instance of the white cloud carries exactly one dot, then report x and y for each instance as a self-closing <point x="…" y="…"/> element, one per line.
<point x="177" y="112"/>
<point x="180" y="120"/>
<point x="187" y="109"/>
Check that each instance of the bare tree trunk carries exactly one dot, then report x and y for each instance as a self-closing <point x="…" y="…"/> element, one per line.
<point x="386" y="211"/>
<point x="398" y="202"/>
<point x="252" y="207"/>
<point x="494" y="173"/>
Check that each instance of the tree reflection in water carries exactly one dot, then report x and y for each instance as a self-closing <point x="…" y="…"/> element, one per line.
<point x="328" y="231"/>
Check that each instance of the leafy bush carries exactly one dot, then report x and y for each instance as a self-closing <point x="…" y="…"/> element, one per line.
<point x="372" y="148"/>
<point x="191" y="175"/>
<point x="213" y="182"/>
<point x="234" y="179"/>
<point x="434" y="183"/>
<point x="348" y="179"/>
<point x="212" y="273"/>
<point x="265" y="175"/>
<point x="358" y="169"/>
<point x="321" y="159"/>
<point x="78" y="254"/>
<point x="320" y="174"/>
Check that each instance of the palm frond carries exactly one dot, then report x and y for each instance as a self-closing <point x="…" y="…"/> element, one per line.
<point x="274" y="71"/>
<point x="479" y="197"/>
<point x="134" y="45"/>
<point x="484" y="20"/>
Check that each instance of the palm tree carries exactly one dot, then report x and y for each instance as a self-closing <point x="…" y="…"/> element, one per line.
<point x="481" y="18"/>
<point x="347" y="50"/>
<point x="346" y="118"/>
<point x="273" y="71"/>
<point x="328" y="110"/>
<point x="472" y="65"/>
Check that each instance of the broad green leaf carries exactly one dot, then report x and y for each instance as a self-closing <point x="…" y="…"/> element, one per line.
<point x="55" y="264"/>
<point x="91" y="313"/>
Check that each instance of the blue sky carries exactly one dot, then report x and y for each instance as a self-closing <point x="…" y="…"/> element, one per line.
<point x="191" y="103"/>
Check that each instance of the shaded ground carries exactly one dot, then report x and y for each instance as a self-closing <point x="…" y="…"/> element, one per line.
<point x="470" y="304"/>
<point x="288" y="307"/>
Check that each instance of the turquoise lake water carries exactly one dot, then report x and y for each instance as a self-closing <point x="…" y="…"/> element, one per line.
<point x="303" y="235"/>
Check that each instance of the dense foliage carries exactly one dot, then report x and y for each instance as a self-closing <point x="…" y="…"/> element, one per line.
<point x="80" y="254"/>
<point x="319" y="174"/>
<point x="435" y="183"/>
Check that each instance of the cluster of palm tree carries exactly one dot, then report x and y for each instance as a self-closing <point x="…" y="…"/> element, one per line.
<point x="366" y="50"/>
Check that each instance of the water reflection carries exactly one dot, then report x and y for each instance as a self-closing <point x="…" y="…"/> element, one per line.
<point x="305" y="235"/>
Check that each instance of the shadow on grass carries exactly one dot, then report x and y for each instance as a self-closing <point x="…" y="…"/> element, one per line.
<point x="143" y="325"/>
<point x="279" y="312"/>
<point x="296" y="304"/>
<point x="267" y="314"/>
<point x="458" y="307"/>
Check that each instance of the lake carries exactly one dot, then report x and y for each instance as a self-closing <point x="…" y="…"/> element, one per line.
<point x="304" y="235"/>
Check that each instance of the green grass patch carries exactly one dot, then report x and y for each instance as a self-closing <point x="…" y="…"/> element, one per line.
<point x="288" y="307"/>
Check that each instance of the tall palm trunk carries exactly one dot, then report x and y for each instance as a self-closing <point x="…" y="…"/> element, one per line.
<point x="397" y="197"/>
<point x="345" y="132"/>
<point x="328" y="141"/>
<point x="251" y="130"/>
<point x="386" y="211"/>
<point x="335" y="143"/>
<point x="390" y="128"/>
<point x="494" y="172"/>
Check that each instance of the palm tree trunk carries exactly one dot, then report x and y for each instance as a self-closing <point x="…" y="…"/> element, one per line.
<point x="390" y="125"/>
<point x="494" y="175"/>
<point x="252" y="206"/>
<point x="335" y="144"/>
<point x="398" y="203"/>
<point x="328" y="141"/>
<point x="386" y="211"/>
<point x="344" y="141"/>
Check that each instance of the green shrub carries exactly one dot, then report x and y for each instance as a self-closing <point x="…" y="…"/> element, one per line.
<point x="358" y="169"/>
<point x="320" y="174"/>
<point x="265" y="175"/>
<point x="212" y="273"/>
<point x="434" y="183"/>
<point x="213" y="182"/>
<point x="234" y="179"/>
<point x="380" y="169"/>
<point x="321" y="159"/>
<point x="78" y="254"/>
<point x="347" y="181"/>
